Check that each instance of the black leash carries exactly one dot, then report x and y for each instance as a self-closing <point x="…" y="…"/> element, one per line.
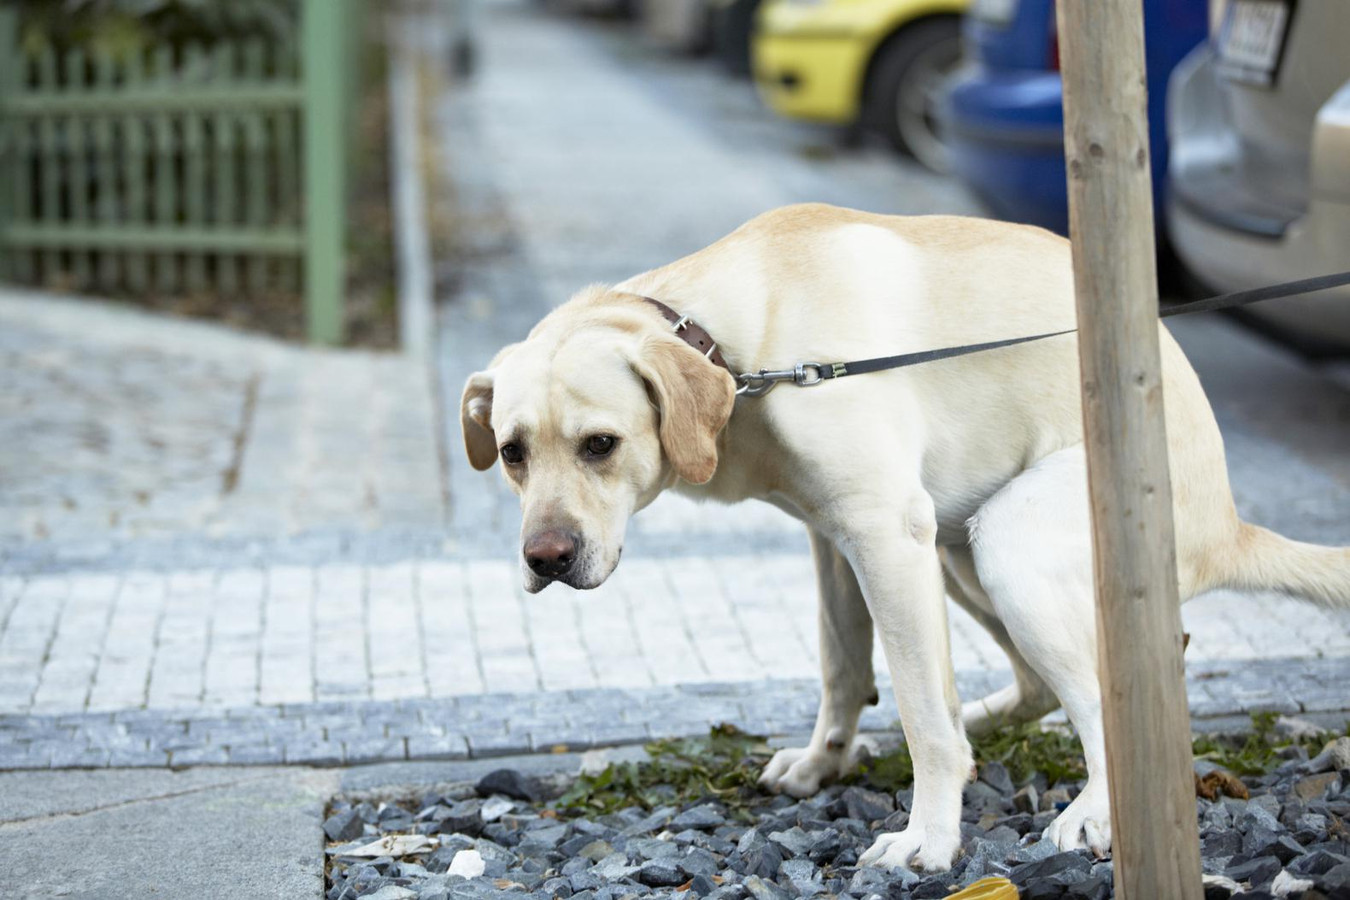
<point x="757" y="384"/>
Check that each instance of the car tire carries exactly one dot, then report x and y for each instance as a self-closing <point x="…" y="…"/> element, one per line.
<point x="901" y="90"/>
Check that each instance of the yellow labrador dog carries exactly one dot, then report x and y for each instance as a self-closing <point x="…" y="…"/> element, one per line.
<point x="963" y="477"/>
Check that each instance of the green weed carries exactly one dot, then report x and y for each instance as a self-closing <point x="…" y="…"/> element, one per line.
<point x="725" y="765"/>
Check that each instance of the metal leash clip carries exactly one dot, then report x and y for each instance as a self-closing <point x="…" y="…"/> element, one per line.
<point x="757" y="384"/>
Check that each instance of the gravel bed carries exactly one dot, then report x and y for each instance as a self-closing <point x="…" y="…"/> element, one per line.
<point x="501" y="838"/>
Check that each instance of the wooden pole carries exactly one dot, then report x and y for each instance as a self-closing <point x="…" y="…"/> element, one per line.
<point x="1155" y="840"/>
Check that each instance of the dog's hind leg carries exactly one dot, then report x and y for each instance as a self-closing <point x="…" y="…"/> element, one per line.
<point x="1032" y="545"/>
<point x="847" y="680"/>
<point x="1028" y="697"/>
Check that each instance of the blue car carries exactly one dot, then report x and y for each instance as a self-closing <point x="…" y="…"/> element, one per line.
<point x="1003" y="115"/>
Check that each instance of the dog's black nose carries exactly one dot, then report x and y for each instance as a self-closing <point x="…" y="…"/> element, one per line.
<point x="550" y="554"/>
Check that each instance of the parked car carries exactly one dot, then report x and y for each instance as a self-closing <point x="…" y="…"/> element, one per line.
<point x="1003" y="115"/>
<point x="1259" y="120"/>
<point x="733" y="26"/>
<point x="871" y="62"/>
<point x="683" y="25"/>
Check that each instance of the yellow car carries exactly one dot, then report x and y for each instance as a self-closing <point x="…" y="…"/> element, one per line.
<point x="871" y="62"/>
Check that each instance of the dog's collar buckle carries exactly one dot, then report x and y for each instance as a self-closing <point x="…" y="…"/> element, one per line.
<point x="693" y="334"/>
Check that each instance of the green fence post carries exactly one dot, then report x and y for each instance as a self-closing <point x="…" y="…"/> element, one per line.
<point x="322" y="46"/>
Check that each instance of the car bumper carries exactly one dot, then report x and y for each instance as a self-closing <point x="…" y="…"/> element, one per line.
<point x="1005" y="131"/>
<point x="811" y="75"/>
<point x="1231" y="245"/>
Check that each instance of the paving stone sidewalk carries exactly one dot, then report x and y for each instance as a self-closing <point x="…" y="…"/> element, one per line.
<point x="119" y="426"/>
<point x="285" y="634"/>
<point x="1222" y="694"/>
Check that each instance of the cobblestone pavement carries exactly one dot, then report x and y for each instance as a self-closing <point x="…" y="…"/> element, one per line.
<point x="217" y="639"/>
<point x="482" y="725"/>
<point x="219" y="549"/>
<point x="118" y="426"/>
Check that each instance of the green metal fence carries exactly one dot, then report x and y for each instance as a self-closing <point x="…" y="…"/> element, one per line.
<point x="214" y="169"/>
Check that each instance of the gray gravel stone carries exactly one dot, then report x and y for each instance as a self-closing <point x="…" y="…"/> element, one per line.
<point x="1336" y="878"/>
<point x="344" y="826"/>
<point x="614" y="867"/>
<point x="995" y="774"/>
<point x="867" y="806"/>
<point x="762" y="861"/>
<point x="1221" y="844"/>
<point x="1063" y="868"/>
<point x="1256" y="872"/>
<point x="1037" y="850"/>
<point x="760" y="889"/>
<point x="793" y="841"/>
<point x="702" y="885"/>
<point x="705" y="817"/>
<point x="1026" y="800"/>
<point x="558" y="887"/>
<point x="391" y="892"/>
<point x="463" y="817"/>
<point x="661" y="873"/>
<point x="585" y="881"/>
<point x="651" y="848"/>
<point x="698" y="862"/>
<point x="1318" y="787"/>
<point x="510" y="783"/>
<point x="798" y="871"/>
<point x="1318" y="862"/>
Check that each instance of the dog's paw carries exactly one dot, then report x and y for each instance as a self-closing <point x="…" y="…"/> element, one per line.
<point x="913" y="848"/>
<point x="1086" y="822"/>
<point x="800" y="771"/>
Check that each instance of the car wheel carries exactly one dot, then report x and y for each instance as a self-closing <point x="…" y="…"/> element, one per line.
<point x="903" y="91"/>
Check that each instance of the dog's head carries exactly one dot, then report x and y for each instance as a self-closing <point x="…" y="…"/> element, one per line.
<point x="593" y="415"/>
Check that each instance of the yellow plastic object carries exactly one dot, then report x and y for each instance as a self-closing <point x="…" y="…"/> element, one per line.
<point x="987" y="889"/>
<point x="811" y="58"/>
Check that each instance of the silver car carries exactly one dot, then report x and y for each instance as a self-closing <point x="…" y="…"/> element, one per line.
<point x="1258" y="123"/>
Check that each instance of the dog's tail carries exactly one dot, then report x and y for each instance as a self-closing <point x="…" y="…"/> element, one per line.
<point x="1262" y="560"/>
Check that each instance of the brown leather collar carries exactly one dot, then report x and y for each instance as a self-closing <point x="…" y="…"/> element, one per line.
<point x="693" y="334"/>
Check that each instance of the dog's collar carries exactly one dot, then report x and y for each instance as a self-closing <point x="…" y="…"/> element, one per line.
<point x="693" y="334"/>
<point x="748" y="384"/>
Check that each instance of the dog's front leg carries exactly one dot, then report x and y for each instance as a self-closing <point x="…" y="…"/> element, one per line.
<point x="847" y="682"/>
<point x="893" y="550"/>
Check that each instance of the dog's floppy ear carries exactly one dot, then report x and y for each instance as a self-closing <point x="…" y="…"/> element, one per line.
<point x="475" y="415"/>
<point x="694" y="398"/>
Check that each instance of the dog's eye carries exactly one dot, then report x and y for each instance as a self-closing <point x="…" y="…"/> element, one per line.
<point x="600" y="445"/>
<point x="512" y="454"/>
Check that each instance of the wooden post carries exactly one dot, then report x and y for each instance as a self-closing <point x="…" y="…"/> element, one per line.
<point x="1155" y="840"/>
<point x="323" y="43"/>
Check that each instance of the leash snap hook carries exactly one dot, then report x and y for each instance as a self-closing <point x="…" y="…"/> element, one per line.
<point x="757" y="384"/>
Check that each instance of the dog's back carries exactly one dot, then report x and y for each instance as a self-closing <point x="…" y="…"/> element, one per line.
<point x="840" y="284"/>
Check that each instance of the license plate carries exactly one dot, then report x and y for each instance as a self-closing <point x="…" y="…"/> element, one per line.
<point x="1251" y="40"/>
<point x="995" y="12"/>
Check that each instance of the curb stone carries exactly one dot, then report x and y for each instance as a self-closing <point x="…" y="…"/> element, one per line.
<point x="342" y="733"/>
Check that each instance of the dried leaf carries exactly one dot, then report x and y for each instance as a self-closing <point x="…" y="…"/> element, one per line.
<point x="1217" y="782"/>
<point x="395" y="845"/>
